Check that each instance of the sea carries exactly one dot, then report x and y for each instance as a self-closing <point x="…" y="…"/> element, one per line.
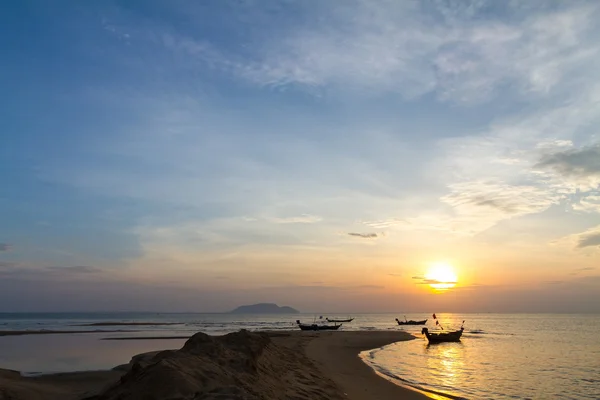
<point x="500" y="356"/>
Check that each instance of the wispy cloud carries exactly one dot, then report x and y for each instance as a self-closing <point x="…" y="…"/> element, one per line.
<point x="410" y="49"/>
<point x="373" y="287"/>
<point x="590" y="238"/>
<point x="479" y="205"/>
<point x="364" y="235"/>
<point x="5" y="247"/>
<point x="301" y="219"/>
<point x="588" y="203"/>
<point x="406" y="48"/>
<point x="587" y="239"/>
<point x="577" y="163"/>
<point x="77" y="269"/>
<point x="27" y="272"/>
<point x="386" y="223"/>
<point x="419" y="280"/>
<point x="582" y="270"/>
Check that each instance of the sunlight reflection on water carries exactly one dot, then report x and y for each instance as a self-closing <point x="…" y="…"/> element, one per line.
<point x="501" y="356"/>
<point x="510" y="356"/>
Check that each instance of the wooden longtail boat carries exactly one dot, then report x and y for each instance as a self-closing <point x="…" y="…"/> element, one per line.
<point x="340" y="320"/>
<point x="439" y="337"/>
<point x="411" y="322"/>
<point x="315" y="327"/>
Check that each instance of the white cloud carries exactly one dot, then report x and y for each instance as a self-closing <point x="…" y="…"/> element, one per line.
<point x="478" y="206"/>
<point x="463" y="54"/>
<point x="459" y="51"/>
<point x="589" y="239"/>
<point x="583" y="163"/>
<point x="509" y="170"/>
<point x="589" y="204"/>
<point x="386" y="223"/>
<point x="301" y="219"/>
<point x="403" y="47"/>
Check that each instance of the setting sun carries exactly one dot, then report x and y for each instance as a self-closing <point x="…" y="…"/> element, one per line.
<point x="441" y="276"/>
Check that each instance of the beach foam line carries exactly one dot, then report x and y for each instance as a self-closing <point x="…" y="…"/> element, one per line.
<point x="337" y="354"/>
<point x="368" y="357"/>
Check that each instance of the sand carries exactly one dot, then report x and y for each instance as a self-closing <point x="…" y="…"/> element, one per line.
<point x="335" y="354"/>
<point x="241" y="365"/>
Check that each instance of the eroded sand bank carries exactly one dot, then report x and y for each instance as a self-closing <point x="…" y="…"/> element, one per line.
<point x="241" y="365"/>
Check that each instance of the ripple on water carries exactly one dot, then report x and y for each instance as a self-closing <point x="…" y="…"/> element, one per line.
<point x="517" y="357"/>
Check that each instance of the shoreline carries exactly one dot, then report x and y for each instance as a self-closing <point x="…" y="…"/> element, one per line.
<point x="339" y="358"/>
<point x="311" y="365"/>
<point x="57" y="332"/>
<point x="110" y="323"/>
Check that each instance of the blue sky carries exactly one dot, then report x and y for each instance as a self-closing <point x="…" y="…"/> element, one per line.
<point x="236" y="151"/>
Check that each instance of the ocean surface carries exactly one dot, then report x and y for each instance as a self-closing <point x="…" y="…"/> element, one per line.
<point x="501" y="356"/>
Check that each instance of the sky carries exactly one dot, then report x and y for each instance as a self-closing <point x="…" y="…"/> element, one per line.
<point x="198" y="155"/>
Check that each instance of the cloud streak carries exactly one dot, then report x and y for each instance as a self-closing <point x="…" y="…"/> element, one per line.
<point x="26" y="272"/>
<point x="588" y="204"/>
<point x="413" y="50"/>
<point x="364" y="235"/>
<point x="301" y="219"/>
<point x="578" y="163"/>
<point x="589" y="239"/>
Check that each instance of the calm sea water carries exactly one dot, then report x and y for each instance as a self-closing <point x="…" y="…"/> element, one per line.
<point x="501" y="356"/>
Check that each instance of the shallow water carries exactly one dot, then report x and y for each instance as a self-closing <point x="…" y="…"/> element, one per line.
<point x="500" y="356"/>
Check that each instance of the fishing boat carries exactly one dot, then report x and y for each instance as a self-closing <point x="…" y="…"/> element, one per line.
<point x="316" y="327"/>
<point x="340" y="320"/>
<point x="411" y="322"/>
<point x="439" y="337"/>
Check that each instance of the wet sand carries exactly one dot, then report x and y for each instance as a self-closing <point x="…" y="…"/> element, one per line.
<point x="274" y="365"/>
<point x="336" y="355"/>
<point x="146" y="338"/>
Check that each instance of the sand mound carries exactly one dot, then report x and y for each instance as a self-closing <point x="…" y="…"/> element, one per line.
<point x="239" y="365"/>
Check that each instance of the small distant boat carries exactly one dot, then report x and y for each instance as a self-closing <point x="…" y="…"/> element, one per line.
<point x="316" y="327"/>
<point x="340" y="320"/>
<point x="439" y="337"/>
<point x="411" y="322"/>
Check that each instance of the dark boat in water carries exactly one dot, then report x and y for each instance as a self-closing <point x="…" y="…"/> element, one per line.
<point x="316" y="327"/>
<point x="411" y="322"/>
<point x="439" y="337"/>
<point x="340" y="320"/>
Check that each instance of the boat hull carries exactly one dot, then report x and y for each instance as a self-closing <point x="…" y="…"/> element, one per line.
<point x="319" y="327"/>
<point x="444" y="336"/>
<point x="339" y="320"/>
<point x="411" y="322"/>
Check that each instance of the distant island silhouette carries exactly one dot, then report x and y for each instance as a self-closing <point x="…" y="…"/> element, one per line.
<point x="265" y="308"/>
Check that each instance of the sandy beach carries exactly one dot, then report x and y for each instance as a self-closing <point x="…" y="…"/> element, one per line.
<point x="241" y="365"/>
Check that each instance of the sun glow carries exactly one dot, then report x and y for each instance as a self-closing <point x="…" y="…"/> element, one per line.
<point x="441" y="276"/>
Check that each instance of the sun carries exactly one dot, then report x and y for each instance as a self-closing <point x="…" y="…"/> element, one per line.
<point x="441" y="276"/>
